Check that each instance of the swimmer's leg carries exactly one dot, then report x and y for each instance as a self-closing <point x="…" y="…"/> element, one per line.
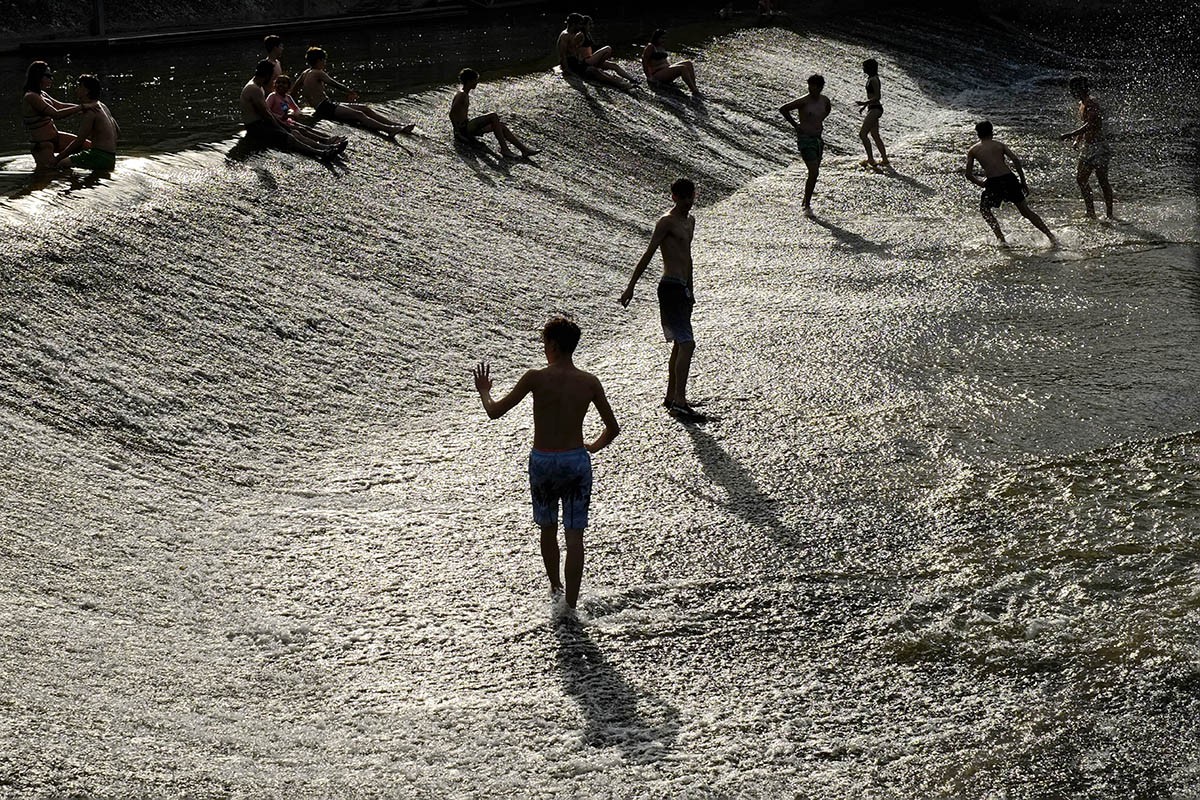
<point x="1082" y="177"/>
<point x="550" y="556"/>
<point x="574" y="563"/>
<point x="1105" y="189"/>
<point x="680" y="366"/>
<point x="990" y="218"/>
<point x="1029" y="214"/>
<point x="814" y="170"/>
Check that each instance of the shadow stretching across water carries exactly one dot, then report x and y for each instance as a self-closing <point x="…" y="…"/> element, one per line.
<point x="615" y="713"/>
<point x="746" y="499"/>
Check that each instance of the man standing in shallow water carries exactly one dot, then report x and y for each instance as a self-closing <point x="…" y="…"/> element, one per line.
<point x="673" y="233"/>
<point x="1093" y="149"/>
<point x="560" y="465"/>
<point x="812" y="109"/>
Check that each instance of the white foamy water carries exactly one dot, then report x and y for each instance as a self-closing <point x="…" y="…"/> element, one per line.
<point x="260" y="539"/>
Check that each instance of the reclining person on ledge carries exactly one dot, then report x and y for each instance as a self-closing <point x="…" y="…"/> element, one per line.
<point x="312" y="83"/>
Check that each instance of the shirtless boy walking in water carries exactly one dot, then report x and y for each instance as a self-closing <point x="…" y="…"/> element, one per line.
<point x="1001" y="183"/>
<point x="812" y="108"/>
<point x="673" y="233"/>
<point x="560" y="464"/>
<point x="1093" y="148"/>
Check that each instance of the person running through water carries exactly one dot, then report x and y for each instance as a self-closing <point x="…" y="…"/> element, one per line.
<point x="1093" y="148"/>
<point x="312" y="83"/>
<point x="96" y="146"/>
<point x="812" y="109"/>
<point x="1001" y="183"/>
<point x="873" y="106"/>
<point x="467" y="129"/>
<point x="673" y="234"/>
<point x="560" y="464"/>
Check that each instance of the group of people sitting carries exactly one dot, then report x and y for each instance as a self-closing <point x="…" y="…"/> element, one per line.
<point x="277" y="120"/>
<point x="578" y="55"/>
<point x="93" y="148"/>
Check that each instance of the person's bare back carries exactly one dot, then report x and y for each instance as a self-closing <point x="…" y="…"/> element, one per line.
<point x="993" y="156"/>
<point x="561" y="397"/>
<point x="253" y="103"/>
<point x="100" y="127"/>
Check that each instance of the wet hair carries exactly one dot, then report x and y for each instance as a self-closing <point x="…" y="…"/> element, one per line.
<point x="264" y="70"/>
<point x="313" y="55"/>
<point x="871" y="67"/>
<point x="683" y="187"/>
<point x="574" y="20"/>
<point x="467" y="74"/>
<point x="91" y="85"/>
<point x="272" y="41"/>
<point x="984" y="129"/>
<point x="563" y="333"/>
<point x="285" y="78"/>
<point x="33" y="76"/>
<point x="657" y="36"/>
<point x="1077" y="83"/>
<point x="816" y="79"/>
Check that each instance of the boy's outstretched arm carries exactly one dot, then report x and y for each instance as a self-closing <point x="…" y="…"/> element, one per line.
<point x="498" y="408"/>
<point x="660" y="233"/>
<point x="611" y="428"/>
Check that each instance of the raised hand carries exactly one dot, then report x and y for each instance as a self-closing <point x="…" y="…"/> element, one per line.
<point x="483" y="378"/>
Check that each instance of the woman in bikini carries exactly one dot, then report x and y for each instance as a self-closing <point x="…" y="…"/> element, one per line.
<point x="571" y="56"/>
<point x="874" y="108"/>
<point x="656" y="63"/>
<point x="38" y="113"/>
<point x="598" y="58"/>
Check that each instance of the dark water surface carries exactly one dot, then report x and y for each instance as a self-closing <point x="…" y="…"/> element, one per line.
<point x="259" y="539"/>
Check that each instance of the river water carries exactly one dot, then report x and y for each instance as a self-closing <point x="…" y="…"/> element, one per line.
<point x="260" y="540"/>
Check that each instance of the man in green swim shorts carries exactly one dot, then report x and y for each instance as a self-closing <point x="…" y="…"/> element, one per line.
<point x="812" y="109"/>
<point x="95" y="148"/>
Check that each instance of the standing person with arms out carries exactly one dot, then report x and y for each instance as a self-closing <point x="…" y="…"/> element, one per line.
<point x="96" y="146"/>
<point x="656" y="63"/>
<point x="1001" y="183"/>
<point x="467" y="129"/>
<point x="313" y="81"/>
<point x="261" y="126"/>
<point x="873" y="106"/>
<point x="1093" y="149"/>
<point x="812" y="108"/>
<point x="673" y="234"/>
<point x="39" y="111"/>
<point x="560" y="464"/>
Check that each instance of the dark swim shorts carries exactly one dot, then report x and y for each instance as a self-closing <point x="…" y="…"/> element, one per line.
<point x="812" y="148"/>
<point x="999" y="189"/>
<point x="325" y="110"/>
<point x="266" y="134"/>
<point x="561" y="476"/>
<point x="675" y="303"/>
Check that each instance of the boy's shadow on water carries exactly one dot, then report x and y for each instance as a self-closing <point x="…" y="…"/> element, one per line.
<point x="608" y="702"/>
<point x="852" y="240"/>
<point x="746" y="499"/>
<point x="481" y="158"/>
<point x="891" y="172"/>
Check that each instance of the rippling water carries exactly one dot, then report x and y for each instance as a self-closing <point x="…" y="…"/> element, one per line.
<point x="938" y="540"/>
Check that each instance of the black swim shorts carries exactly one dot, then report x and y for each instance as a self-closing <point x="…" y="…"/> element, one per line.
<point x="325" y="110"/>
<point x="265" y="134"/>
<point x="675" y="302"/>
<point x="1001" y="188"/>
